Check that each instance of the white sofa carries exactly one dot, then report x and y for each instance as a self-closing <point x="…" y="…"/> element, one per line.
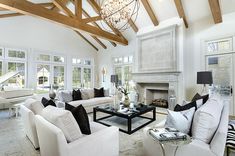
<point x="104" y="141"/>
<point x="88" y="101"/>
<point x="196" y="147"/>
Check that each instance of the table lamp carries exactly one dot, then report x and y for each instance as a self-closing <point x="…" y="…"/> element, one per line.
<point x="204" y="77"/>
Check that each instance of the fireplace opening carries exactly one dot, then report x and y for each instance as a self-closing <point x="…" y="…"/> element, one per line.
<point x="157" y="97"/>
<point x="160" y="103"/>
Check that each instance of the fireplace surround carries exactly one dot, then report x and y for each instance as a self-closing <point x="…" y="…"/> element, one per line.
<point x="157" y="65"/>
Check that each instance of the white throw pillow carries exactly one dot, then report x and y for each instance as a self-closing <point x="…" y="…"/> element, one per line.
<point x="199" y="103"/>
<point x="180" y="120"/>
<point x="206" y="120"/>
<point x="64" y="120"/>
<point x="65" y="96"/>
<point x="35" y="106"/>
<point x="87" y="94"/>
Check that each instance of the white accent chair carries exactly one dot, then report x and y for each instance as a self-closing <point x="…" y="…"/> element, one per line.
<point x="28" y="118"/>
<point x="104" y="141"/>
<point x="196" y="148"/>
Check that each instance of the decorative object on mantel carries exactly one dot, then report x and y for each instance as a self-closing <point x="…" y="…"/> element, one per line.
<point x="204" y="77"/>
<point x="133" y="85"/>
<point x="125" y="92"/>
<point x="52" y="93"/>
<point x="104" y="72"/>
<point x="117" y="13"/>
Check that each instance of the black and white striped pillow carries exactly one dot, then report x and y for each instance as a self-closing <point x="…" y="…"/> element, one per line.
<point x="231" y="136"/>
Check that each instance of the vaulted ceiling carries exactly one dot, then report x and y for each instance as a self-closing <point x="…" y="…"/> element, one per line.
<point x="82" y="16"/>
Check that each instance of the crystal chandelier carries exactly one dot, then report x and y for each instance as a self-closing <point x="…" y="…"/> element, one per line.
<point x="117" y="13"/>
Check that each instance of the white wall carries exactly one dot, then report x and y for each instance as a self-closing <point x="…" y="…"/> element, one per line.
<point x="105" y="58"/>
<point x="195" y="35"/>
<point x="36" y="35"/>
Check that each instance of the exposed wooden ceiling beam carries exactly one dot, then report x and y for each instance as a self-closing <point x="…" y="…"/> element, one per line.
<point x="91" y="19"/>
<point x="42" y="4"/>
<point x="95" y="24"/>
<point x="180" y="9"/>
<point x="10" y="15"/>
<point x="99" y="41"/>
<point x="62" y="5"/>
<point x="150" y="12"/>
<point x="29" y="8"/>
<point x="133" y="26"/>
<point x="216" y="11"/>
<point x="78" y="8"/>
<point x="83" y="37"/>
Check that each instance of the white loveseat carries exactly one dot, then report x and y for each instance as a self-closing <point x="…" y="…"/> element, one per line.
<point x="196" y="147"/>
<point x="88" y="100"/>
<point x="103" y="141"/>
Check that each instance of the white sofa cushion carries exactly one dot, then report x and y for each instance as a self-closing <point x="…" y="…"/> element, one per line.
<point x="35" y="106"/>
<point x="92" y="102"/>
<point x="180" y="120"/>
<point x="64" y="120"/>
<point x="206" y="120"/>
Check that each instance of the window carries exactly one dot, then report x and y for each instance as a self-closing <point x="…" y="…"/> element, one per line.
<point x="123" y="68"/>
<point x="0" y="68"/>
<point x="50" y="71"/>
<point x="16" y="54"/>
<point x="59" y="59"/>
<point x="1" y="52"/>
<point x="82" y="73"/>
<point x="43" y="57"/>
<point x="43" y="78"/>
<point x="218" y="46"/>
<point x="87" y="77"/>
<point x="59" y="77"/>
<point x="20" y="79"/>
<point x="77" y="82"/>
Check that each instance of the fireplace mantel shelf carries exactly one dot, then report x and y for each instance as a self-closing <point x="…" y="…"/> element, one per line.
<point x="162" y="72"/>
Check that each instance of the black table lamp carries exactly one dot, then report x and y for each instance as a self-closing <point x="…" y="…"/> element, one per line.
<point x="114" y="79"/>
<point x="204" y="77"/>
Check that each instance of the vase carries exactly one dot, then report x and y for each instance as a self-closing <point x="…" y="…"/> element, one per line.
<point x="126" y="101"/>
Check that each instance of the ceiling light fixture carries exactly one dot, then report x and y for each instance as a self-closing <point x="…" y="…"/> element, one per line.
<point x="117" y="13"/>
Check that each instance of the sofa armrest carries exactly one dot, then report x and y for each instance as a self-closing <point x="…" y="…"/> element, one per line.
<point x="105" y="142"/>
<point x="28" y="118"/>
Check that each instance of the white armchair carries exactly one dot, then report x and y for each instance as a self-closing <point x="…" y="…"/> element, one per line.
<point x="196" y="147"/>
<point x="104" y="141"/>
<point x="28" y="118"/>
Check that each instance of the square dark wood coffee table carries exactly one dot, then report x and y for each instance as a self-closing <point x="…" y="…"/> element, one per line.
<point x="140" y="111"/>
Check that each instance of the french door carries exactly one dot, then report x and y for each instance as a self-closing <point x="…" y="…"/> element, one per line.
<point x="82" y="77"/>
<point x="223" y="70"/>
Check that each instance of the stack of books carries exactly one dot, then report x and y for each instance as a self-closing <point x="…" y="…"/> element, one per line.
<point x="167" y="134"/>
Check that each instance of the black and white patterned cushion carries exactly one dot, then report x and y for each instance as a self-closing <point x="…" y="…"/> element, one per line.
<point x="231" y="136"/>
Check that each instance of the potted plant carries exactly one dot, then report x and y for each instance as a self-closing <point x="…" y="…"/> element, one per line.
<point x="125" y="92"/>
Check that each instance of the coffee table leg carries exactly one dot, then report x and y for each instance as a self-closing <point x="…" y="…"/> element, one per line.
<point x="94" y="114"/>
<point x="163" y="149"/>
<point x="154" y="114"/>
<point x="129" y="125"/>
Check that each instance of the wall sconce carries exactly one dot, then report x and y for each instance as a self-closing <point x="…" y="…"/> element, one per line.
<point x="104" y="72"/>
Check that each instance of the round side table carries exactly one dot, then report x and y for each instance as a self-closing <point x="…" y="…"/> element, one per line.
<point x="176" y="143"/>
